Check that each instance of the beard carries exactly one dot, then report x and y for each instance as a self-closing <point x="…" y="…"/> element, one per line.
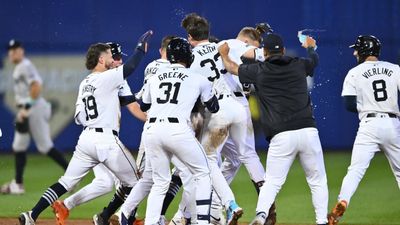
<point x="109" y="65"/>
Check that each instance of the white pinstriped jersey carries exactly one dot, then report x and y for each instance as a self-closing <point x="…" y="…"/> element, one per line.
<point x="150" y="70"/>
<point x="173" y="90"/>
<point x="24" y="74"/>
<point x="97" y="104"/>
<point x="376" y="85"/>
<point x="208" y="63"/>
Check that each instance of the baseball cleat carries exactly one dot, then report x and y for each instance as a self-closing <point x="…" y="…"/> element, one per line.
<point x="216" y="215"/>
<point x="177" y="221"/>
<point x="60" y="211"/>
<point x="12" y="188"/>
<point x="162" y="220"/>
<point x="98" y="220"/>
<point x="271" y="219"/>
<point x="233" y="213"/>
<point x="259" y="219"/>
<point x="25" y="218"/>
<point x="119" y="219"/>
<point x="337" y="212"/>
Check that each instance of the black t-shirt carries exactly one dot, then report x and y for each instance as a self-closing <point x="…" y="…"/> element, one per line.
<point x="281" y="86"/>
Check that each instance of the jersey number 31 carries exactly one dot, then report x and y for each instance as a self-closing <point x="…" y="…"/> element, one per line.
<point x="167" y="87"/>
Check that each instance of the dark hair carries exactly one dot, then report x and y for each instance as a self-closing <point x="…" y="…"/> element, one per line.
<point x="196" y="26"/>
<point x="165" y="41"/>
<point x="251" y="33"/>
<point x="93" y="54"/>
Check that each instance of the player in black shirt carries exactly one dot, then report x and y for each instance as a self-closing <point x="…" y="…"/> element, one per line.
<point x="287" y="120"/>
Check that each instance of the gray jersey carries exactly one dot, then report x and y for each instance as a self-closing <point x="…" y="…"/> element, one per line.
<point x="25" y="73"/>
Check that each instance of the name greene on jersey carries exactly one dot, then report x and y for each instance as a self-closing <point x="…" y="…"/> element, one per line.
<point x="171" y="74"/>
<point x="377" y="71"/>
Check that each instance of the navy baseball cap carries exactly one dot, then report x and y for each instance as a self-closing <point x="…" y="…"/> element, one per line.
<point x="273" y="42"/>
<point x="13" y="44"/>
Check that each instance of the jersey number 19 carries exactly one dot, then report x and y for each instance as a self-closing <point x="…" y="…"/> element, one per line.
<point x="90" y="107"/>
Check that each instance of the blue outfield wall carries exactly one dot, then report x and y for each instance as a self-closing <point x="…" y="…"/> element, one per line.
<point x="64" y="27"/>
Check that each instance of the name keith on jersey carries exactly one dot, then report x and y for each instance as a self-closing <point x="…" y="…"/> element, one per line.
<point x="377" y="71"/>
<point x="178" y="75"/>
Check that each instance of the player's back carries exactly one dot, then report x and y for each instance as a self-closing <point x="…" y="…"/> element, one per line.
<point x="377" y="84"/>
<point x="208" y="63"/>
<point x="173" y="91"/>
<point x="98" y="100"/>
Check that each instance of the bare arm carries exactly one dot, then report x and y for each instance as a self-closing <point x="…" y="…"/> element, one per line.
<point x="231" y="66"/>
<point x="134" y="109"/>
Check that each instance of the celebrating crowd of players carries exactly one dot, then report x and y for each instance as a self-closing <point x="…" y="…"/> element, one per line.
<point x="194" y="105"/>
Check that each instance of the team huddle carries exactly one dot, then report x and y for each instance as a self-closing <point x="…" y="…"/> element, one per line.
<point x="197" y="117"/>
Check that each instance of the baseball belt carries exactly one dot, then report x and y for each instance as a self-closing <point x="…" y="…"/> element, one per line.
<point x="391" y="115"/>
<point x="169" y="119"/>
<point x="100" y="130"/>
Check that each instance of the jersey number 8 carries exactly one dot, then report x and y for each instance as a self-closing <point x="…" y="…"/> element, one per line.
<point x="380" y="92"/>
<point x="90" y="107"/>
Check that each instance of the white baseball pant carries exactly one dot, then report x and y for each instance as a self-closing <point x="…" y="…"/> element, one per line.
<point x="100" y="147"/>
<point x="282" y="152"/>
<point x="179" y="140"/>
<point x="374" y="134"/>
<point x="39" y="116"/>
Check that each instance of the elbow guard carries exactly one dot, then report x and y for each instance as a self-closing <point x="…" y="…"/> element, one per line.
<point x="212" y="104"/>
<point x="144" y="106"/>
<point x="126" y="100"/>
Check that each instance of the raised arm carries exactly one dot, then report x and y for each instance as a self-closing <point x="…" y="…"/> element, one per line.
<point x="230" y="65"/>
<point x="141" y="48"/>
<point x="313" y="59"/>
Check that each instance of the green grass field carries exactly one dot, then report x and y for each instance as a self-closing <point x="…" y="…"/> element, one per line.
<point x="377" y="200"/>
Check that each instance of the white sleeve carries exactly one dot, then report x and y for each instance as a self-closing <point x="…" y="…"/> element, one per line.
<point x="398" y="77"/>
<point x="124" y="89"/>
<point x="259" y="54"/>
<point x="80" y="114"/>
<point x="31" y="74"/>
<point x="206" y="91"/>
<point x="349" y="86"/>
<point x="239" y="48"/>
<point x="113" y="78"/>
<point x="146" y="97"/>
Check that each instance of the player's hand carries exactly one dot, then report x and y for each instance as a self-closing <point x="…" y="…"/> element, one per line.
<point x="263" y="28"/>
<point x="309" y="43"/>
<point x="144" y="40"/>
<point x="22" y="114"/>
<point x="223" y="49"/>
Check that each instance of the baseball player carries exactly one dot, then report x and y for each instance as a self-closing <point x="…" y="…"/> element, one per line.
<point x="233" y="158"/>
<point x="142" y="188"/>
<point x="171" y="95"/>
<point x="231" y="120"/>
<point x="98" y="111"/>
<point x="104" y="180"/>
<point x="32" y="119"/>
<point x="371" y="89"/>
<point x="288" y="121"/>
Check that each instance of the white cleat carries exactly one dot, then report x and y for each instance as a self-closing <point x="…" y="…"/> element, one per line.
<point x="25" y="218"/>
<point x="12" y="188"/>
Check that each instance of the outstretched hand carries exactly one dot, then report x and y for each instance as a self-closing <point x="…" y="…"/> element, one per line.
<point x="143" y="41"/>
